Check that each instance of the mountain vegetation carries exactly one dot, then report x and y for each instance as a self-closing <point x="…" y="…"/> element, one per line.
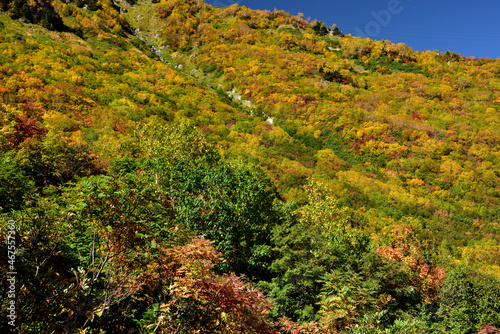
<point x="176" y="167"/>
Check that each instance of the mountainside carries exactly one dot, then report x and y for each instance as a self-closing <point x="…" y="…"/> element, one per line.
<point x="185" y="168"/>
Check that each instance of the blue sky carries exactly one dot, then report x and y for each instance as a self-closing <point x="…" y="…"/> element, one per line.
<point x="466" y="27"/>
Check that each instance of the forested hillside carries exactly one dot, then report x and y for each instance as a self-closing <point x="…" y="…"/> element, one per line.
<point x="169" y="166"/>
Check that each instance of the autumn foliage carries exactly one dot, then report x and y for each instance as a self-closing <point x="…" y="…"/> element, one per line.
<point x="182" y="168"/>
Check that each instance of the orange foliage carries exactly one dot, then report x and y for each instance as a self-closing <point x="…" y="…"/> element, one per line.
<point x="406" y="249"/>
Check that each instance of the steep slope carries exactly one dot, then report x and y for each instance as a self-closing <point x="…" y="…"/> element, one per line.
<point x="402" y="136"/>
<point x="402" y="131"/>
<point x="393" y="136"/>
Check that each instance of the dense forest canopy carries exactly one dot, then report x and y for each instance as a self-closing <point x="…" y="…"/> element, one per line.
<point x="181" y="168"/>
